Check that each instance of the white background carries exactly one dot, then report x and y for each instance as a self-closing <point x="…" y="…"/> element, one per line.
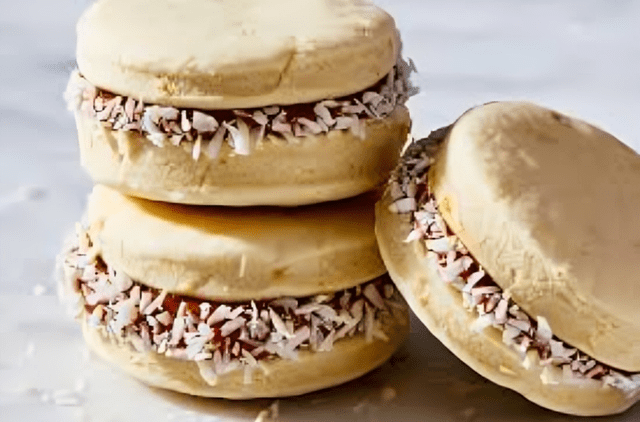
<point x="579" y="56"/>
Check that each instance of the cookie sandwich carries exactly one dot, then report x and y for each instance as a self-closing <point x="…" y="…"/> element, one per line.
<point x="514" y="236"/>
<point x="233" y="303"/>
<point x="240" y="102"/>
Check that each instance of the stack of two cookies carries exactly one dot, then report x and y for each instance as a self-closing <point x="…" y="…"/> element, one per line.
<point x="208" y="263"/>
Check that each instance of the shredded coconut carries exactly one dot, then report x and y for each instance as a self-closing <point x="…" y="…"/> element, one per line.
<point x="225" y="337"/>
<point x="270" y="414"/>
<point x="241" y="129"/>
<point x="494" y="308"/>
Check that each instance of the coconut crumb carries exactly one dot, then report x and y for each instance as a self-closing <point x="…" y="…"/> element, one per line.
<point x="243" y="266"/>
<point x="66" y="398"/>
<point x="388" y="394"/>
<point x="270" y="414"/>
<point x="532" y="338"/>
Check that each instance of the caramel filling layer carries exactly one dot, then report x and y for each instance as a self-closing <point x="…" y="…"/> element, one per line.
<point x="223" y="337"/>
<point x="206" y="130"/>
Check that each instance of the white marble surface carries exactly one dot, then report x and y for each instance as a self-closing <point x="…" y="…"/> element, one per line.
<point x="576" y="56"/>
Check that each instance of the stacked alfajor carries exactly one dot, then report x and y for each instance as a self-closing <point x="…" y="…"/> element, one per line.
<point x="199" y="121"/>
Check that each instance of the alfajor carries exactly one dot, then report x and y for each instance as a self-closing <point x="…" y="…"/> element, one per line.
<point x="241" y="102"/>
<point x="514" y="236"/>
<point x="234" y="303"/>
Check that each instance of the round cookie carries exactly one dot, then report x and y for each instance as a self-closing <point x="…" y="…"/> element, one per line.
<point x="310" y="371"/>
<point x="318" y="168"/>
<point x="237" y="253"/>
<point x="235" y="54"/>
<point x="491" y="229"/>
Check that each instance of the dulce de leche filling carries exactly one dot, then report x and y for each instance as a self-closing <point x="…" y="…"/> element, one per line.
<point x="206" y="130"/>
<point x="222" y="337"/>
<point x="532" y="338"/>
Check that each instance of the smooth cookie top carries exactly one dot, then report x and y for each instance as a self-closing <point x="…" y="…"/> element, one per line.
<point x="235" y="54"/>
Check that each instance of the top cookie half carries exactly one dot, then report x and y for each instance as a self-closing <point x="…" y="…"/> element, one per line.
<point x="235" y="54"/>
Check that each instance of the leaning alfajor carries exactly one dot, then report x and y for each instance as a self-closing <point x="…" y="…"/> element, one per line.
<point x="240" y="102"/>
<point x="514" y="234"/>
<point x="224" y="302"/>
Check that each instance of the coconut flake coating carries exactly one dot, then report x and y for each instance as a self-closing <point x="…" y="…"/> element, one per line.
<point x="480" y="293"/>
<point x="208" y="129"/>
<point x="223" y="337"/>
